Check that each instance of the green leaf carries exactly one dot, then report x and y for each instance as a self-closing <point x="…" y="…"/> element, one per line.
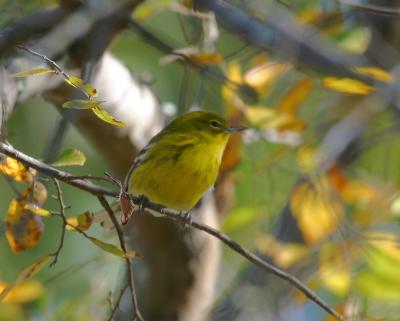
<point x="106" y="116"/>
<point x="113" y="249"/>
<point x="26" y="274"/>
<point x="33" y="72"/>
<point x="70" y="157"/>
<point x="240" y="218"/>
<point x="80" y="104"/>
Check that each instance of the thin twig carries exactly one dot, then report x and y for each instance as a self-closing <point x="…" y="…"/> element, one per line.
<point x="97" y="190"/>
<point x="64" y="221"/>
<point x="9" y="150"/>
<point x="378" y="9"/>
<point x="116" y="305"/>
<point x="129" y="266"/>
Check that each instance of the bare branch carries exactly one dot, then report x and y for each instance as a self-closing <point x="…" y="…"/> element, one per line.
<point x="181" y="217"/>
<point x="115" y="306"/>
<point x="64" y="221"/>
<point x="129" y="266"/>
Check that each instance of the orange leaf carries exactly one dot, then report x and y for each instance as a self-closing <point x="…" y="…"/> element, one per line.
<point x="207" y="58"/>
<point x="295" y="97"/>
<point x="17" y="170"/>
<point x="82" y="222"/>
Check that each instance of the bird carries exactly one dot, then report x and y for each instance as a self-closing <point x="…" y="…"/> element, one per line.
<point x="182" y="161"/>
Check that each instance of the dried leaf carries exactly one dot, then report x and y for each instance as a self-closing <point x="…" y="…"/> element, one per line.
<point x="106" y="116"/>
<point x="82" y="222"/>
<point x="113" y="249"/>
<point x="25" y="275"/>
<point x="33" y="72"/>
<point x="23" y="228"/>
<point x="17" y="170"/>
<point x="70" y="157"/>
<point x="316" y="212"/>
<point x="376" y="73"/>
<point x="348" y="86"/>
<point x="127" y="208"/>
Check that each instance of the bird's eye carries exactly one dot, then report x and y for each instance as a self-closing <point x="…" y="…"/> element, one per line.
<point x="215" y="124"/>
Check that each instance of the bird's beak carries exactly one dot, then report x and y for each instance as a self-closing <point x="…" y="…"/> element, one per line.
<point x="233" y="129"/>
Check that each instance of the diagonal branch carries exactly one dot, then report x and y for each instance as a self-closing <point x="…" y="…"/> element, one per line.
<point x="97" y="190"/>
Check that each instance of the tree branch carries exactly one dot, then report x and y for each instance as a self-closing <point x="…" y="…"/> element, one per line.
<point x="100" y="192"/>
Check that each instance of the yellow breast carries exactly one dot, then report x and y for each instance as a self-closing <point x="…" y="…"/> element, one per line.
<point x="177" y="177"/>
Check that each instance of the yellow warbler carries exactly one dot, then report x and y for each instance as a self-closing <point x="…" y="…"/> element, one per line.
<point x="182" y="161"/>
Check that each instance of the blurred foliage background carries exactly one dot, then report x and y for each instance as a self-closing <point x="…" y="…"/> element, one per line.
<point x="335" y="225"/>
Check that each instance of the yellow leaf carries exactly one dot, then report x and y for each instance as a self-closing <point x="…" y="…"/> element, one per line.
<point x="348" y="86"/>
<point x="33" y="72"/>
<point x="376" y="73"/>
<point x="258" y="115"/>
<point x="333" y="273"/>
<point x="316" y="212"/>
<point x="82" y="222"/>
<point x="25" y="275"/>
<point x="306" y="159"/>
<point x="80" y="104"/>
<point x="70" y="157"/>
<point x="23" y="228"/>
<point x="261" y="76"/>
<point x="37" y="210"/>
<point x="106" y="116"/>
<point x="283" y="254"/>
<point x="27" y="291"/>
<point x="80" y="84"/>
<point x="17" y="170"/>
<point x="113" y="249"/>
<point x="295" y="97"/>
<point x="229" y="90"/>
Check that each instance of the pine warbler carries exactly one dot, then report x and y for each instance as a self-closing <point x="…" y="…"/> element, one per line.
<point x="182" y="161"/>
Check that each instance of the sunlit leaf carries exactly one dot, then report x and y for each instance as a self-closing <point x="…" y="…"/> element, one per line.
<point x="37" y="210"/>
<point x="81" y="222"/>
<point x="376" y="73"/>
<point x="17" y="170"/>
<point x="379" y="280"/>
<point x="107" y="117"/>
<point x="261" y="76"/>
<point x="25" y="275"/>
<point x="229" y="89"/>
<point x="334" y="274"/>
<point x="317" y="213"/>
<point x="258" y="116"/>
<point x="148" y="8"/>
<point x="24" y="292"/>
<point x="348" y="86"/>
<point x="113" y="249"/>
<point x="70" y="157"/>
<point x="356" y="40"/>
<point x="23" y="228"/>
<point x="295" y="97"/>
<point x="33" y="72"/>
